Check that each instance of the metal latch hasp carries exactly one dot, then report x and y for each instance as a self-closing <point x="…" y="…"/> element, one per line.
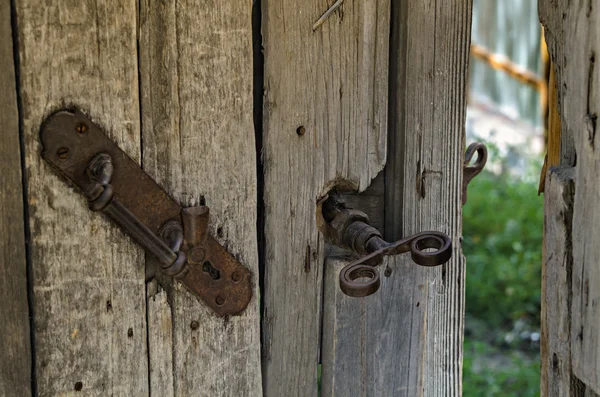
<point x="177" y="238"/>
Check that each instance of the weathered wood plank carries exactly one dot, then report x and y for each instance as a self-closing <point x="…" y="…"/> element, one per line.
<point x="15" y="366"/>
<point x="423" y="192"/>
<point x="160" y="341"/>
<point x="366" y="341"/>
<point x="556" y="284"/>
<point x="573" y="33"/>
<point x="198" y="135"/>
<point x="330" y="85"/>
<point x="87" y="277"/>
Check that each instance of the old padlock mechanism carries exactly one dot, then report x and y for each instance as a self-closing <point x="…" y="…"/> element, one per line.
<point x="175" y="237"/>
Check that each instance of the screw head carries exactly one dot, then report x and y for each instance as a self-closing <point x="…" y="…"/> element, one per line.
<point x="81" y="128"/>
<point x="301" y="130"/>
<point x="220" y="301"/>
<point x="236" y="277"/>
<point x="196" y="255"/>
<point x="62" y="152"/>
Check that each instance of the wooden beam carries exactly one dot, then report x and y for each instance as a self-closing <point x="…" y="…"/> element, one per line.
<point x="556" y="288"/>
<point x="572" y="33"/>
<point x="87" y="277"/>
<point x="423" y="191"/>
<point x="198" y="134"/>
<point x="15" y="366"/>
<point x="325" y="125"/>
<point x="504" y="64"/>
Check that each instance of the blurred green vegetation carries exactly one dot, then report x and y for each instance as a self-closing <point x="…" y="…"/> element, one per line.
<point x="489" y="371"/>
<point x="502" y="241"/>
<point x="502" y="229"/>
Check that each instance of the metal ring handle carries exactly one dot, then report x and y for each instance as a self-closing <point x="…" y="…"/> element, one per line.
<point x="359" y="280"/>
<point x="432" y="240"/>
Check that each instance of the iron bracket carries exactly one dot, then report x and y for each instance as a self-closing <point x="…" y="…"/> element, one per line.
<point x="175" y="237"/>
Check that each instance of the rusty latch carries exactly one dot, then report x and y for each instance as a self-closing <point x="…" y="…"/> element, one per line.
<point x="176" y="238"/>
<point x="349" y="228"/>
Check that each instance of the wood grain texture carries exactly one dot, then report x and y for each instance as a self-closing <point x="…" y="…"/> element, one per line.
<point x="332" y="82"/>
<point x="556" y="284"/>
<point x="423" y="192"/>
<point x="573" y="33"/>
<point x="15" y="366"/>
<point x="87" y="276"/>
<point x="160" y="341"/>
<point x="198" y="135"/>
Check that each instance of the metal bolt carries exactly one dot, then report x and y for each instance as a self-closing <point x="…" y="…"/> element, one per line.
<point x="236" y="277"/>
<point x="220" y="300"/>
<point x="301" y="130"/>
<point x="81" y="128"/>
<point x="194" y="325"/>
<point x="62" y="152"/>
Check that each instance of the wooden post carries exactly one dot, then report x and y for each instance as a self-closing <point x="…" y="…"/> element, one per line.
<point x="325" y="125"/>
<point x="406" y="340"/>
<point x="15" y="365"/>
<point x="573" y="36"/>
<point x="198" y="142"/>
<point x="87" y="278"/>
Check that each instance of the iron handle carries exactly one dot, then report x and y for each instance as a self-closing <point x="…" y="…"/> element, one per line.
<point x="101" y="197"/>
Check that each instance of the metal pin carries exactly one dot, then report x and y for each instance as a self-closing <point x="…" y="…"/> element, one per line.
<point x="331" y="9"/>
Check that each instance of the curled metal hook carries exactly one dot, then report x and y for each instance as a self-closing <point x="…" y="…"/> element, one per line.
<point x="470" y="171"/>
<point x="360" y="278"/>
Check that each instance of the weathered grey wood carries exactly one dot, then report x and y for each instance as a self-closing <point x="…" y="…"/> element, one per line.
<point x="556" y="284"/>
<point x="160" y="341"/>
<point x="87" y="277"/>
<point x="332" y="82"/>
<point x="198" y="135"/>
<point x="574" y="43"/>
<point x="423" y="192"/>
<point x="15" y="366"/>
<point x="366" y="341"/>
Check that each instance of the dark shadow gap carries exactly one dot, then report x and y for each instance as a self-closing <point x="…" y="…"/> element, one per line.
<point x="27" y="229"/>
<point x="141" y="152"/>
<point x="394" y="169"/>
<point x="257" y="97"/>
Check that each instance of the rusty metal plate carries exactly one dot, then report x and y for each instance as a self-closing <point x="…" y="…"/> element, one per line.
<point x="70" y="141"/>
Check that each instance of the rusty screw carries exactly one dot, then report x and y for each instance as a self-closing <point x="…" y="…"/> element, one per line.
<point x="236" y="277"/>
<point x="220" y="300"/>
<point x="301" y="130"/>
<point x="62" y="152"/>
<point x="81" y="128"/>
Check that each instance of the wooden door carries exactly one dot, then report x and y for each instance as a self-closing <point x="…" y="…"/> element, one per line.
<point x="365" y="97"/>
<point x="571" y="275"/>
